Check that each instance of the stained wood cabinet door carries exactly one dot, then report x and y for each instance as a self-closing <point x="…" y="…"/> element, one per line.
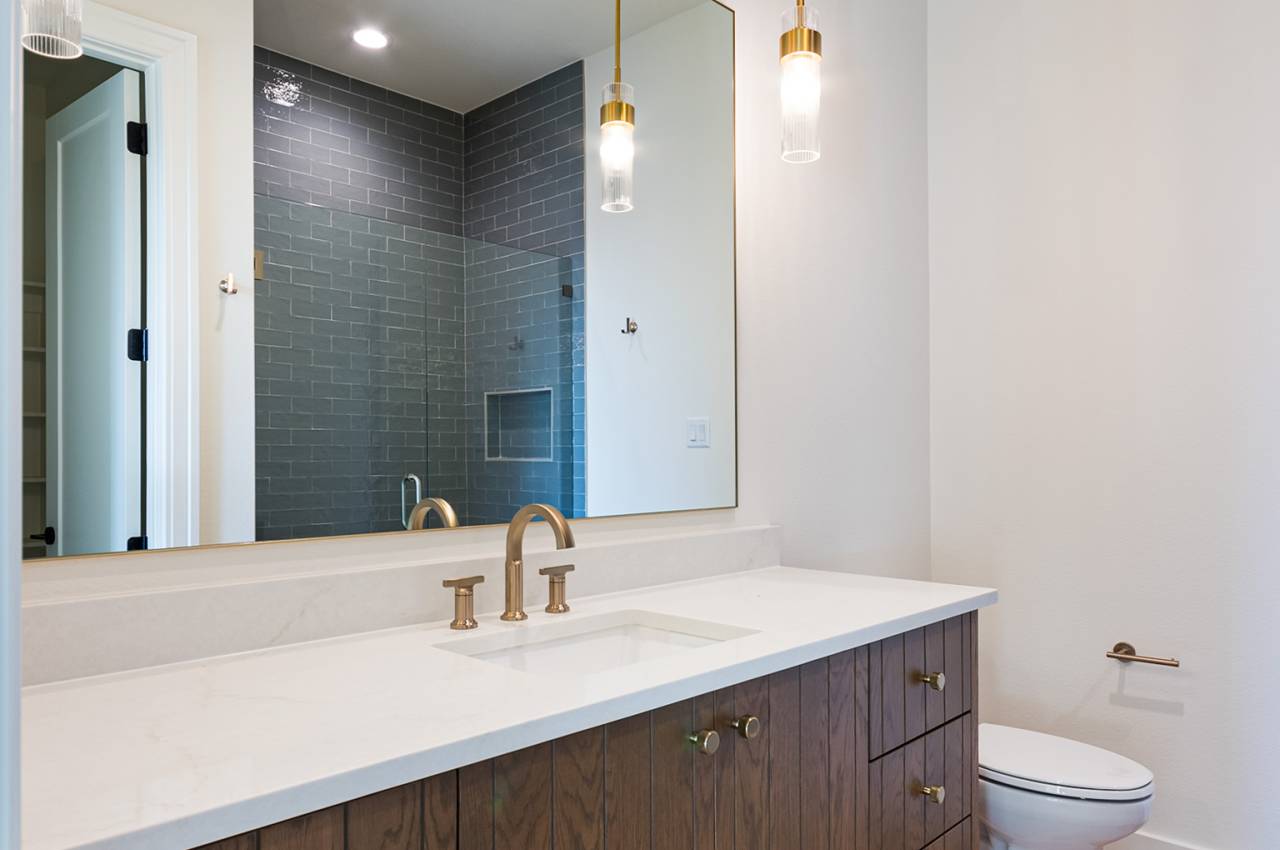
<point x="802" y="783"/>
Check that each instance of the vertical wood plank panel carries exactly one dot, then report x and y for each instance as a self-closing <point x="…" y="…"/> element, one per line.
<point x="935" y="661"/>
<point x="967" y="765"/>
<point x="893" y="691"/>
<point x="704" y="774"/>
<point x="248" y="841"/>
<point x="815" y="757"/>
<point x="914" y="803"/>
<point x="892" y="783"/>
<point x="673" y="758"/>
<point x="861" y="698"/>
<point x="628" y="789"/>
<point x="578" y="783"/>
<point x="966" y="654"/>
<point x="440" y="812"/>
<point x="955" y="664"/>
<point x="954" y="734"/>
<point x="475" y="806"/>
<point x="974" y="719"/>
<point x="322" y="830"/>
<point x="957" y="839"/>
<point x="784" y="758"/>
<point x="522" y="799"/>
<point x="935" y="773"/>
<point x="845" y="765"/>
<point x="875" y="788"/>
<point x="876" y="718"/>
<point x="726" y="773"/>
<point x="389" y="820"/>
<point x="751" y="814"/>
<point x="914" y="696"/>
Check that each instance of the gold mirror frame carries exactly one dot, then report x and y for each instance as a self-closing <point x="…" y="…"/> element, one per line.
<point x="383" y="535"/>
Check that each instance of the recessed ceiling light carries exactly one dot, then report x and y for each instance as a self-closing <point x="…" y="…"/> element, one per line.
<point x="371" y="38"/>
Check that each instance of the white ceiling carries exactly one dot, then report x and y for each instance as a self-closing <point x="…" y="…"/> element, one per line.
<point x="455" y="53"/>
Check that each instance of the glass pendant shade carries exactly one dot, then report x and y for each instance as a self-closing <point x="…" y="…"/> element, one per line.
<point x="617" y="147"/>
<point x="801" y="85"/>
<point x="52" y="27"/>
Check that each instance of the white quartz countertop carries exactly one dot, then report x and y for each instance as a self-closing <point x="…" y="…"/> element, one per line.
<point x="181" y="755"/>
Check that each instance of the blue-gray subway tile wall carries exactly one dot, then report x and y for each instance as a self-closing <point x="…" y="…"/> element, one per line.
<point x="365" y="366"/>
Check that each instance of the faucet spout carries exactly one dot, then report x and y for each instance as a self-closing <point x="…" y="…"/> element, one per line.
<point x="515" y="552"/>
<point x="418" y="517"/>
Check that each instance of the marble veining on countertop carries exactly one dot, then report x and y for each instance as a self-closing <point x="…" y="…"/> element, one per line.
<point x="184" y="754"/>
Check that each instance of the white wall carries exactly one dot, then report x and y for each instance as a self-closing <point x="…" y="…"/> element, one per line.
<point x="1104" y="203"/>
<point x="224" y="33"/>
<point x="668" y="264"/>
<point x="833" y="294"/>
<point x="11" y="530"/>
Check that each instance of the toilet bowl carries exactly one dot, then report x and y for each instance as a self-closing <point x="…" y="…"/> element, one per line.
<point x="1041" y="792"/>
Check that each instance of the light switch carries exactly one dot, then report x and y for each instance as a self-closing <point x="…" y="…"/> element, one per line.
<point x="698" y="433"/>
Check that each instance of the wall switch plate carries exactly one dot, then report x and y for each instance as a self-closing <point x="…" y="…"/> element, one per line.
<point x="698" y="433"/>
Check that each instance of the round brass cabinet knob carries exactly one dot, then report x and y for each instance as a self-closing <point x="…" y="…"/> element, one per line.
<point x="935" y="793"/>
<point x="706" y="742"/>
<point x="937" y="681"/>
<point x="748" y="726"/>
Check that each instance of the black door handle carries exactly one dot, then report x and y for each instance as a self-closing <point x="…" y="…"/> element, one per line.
<point x="47" y="536"/>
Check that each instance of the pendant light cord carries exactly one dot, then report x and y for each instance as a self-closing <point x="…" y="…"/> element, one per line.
<point x="617" y="41"/>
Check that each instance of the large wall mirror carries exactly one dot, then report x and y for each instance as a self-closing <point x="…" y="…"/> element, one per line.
<point x="442" y="307"/>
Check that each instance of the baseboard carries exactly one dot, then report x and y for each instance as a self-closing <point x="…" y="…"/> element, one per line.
<point x="1146" y="841"/>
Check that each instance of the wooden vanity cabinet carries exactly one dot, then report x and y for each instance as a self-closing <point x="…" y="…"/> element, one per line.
<point x="846" y="744"/>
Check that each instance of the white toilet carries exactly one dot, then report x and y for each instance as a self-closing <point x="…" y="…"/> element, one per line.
<point x="1041" y="792"/>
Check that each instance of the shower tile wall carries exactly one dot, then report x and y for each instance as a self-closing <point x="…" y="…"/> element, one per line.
<point x="359" y="320"/>
<point x="523" y="218"/>
<point x="379" y="327"/>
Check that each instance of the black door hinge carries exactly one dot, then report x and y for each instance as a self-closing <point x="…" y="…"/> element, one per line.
<point x="47" y="537"/>
<point x="136" y="544"/>
<point x="139" y="345"/>
<point x="136" y="138"/>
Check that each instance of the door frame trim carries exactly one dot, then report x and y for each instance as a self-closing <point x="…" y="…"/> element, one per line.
<point x="167" y="59"/>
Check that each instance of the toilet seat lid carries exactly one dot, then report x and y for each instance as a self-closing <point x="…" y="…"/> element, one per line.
<point x="1048" y="764"/>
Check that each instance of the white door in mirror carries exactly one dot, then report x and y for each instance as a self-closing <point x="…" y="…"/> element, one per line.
<point x="94" y="297"/>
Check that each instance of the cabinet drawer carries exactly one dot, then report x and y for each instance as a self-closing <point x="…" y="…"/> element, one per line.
<point x="902" y="705"/>
<point x="905" y="818"/>
<point x="959" y="837"/>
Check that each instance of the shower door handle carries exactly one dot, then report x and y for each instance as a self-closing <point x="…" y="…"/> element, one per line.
<point x="405" y="505"/>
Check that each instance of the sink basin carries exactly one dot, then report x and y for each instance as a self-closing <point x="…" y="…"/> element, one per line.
<point x="574" y="646"/>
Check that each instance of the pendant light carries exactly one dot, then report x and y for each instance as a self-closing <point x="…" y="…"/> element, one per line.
<point x="617" y="132"/>
<point x="52" y="27"/>
<point x="801" y="52"/>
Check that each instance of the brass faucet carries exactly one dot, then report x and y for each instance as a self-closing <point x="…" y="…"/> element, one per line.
<point x="515" y="552"/>
<point x="418" y="517"/>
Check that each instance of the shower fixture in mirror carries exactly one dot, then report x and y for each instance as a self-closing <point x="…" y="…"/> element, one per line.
<point x="436" y="315"/>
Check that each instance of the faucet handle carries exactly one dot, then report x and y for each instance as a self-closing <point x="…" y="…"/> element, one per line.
<point x="556" y="604"/>
<point x="464" y="603"/>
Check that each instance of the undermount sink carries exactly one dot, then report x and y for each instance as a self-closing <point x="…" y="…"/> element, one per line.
<point x="592" y="643"/>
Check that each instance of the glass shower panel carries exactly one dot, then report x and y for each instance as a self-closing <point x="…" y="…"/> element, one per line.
<point x="376" y="347"/>
<point x="520" y="338"/>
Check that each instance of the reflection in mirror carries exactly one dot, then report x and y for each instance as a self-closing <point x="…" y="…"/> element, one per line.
<point x="442" y="310"/>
